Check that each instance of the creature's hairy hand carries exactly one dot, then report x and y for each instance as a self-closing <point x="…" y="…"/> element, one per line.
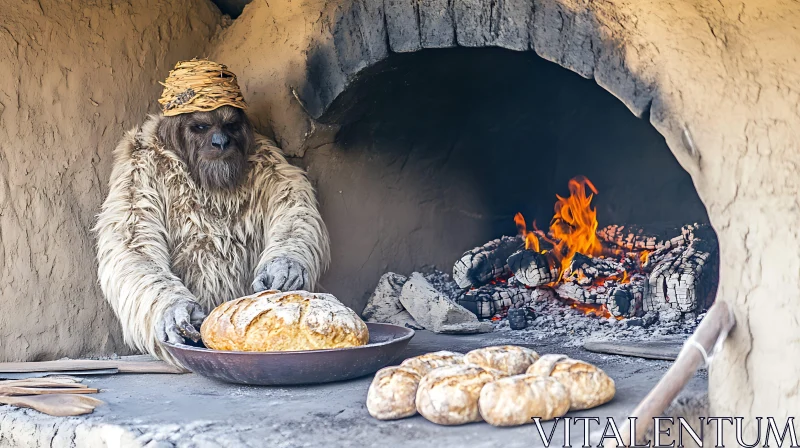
<point x="181" y="320"/>
<point x="283" y="274"/>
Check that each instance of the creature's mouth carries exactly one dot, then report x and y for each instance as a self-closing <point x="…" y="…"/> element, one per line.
<point x="216" y="155"/>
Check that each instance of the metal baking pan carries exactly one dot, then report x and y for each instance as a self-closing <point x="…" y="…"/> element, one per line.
<point x="386" y="343"/>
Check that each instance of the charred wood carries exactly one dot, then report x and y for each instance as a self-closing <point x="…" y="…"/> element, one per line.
<point x="625" y="299"/>
<point x="574" y="291"/>
<point x="541" y="294"/>
<point x="629" y="237"/>
<point x="482" y="264"/>
<point x="636" y="239"/>
<point x="532" y="268"/>
<point x="586" y="270"/>
<point x="621" y="299"/>
<point x="489" y="300"/>
<point x="680" y="277"/>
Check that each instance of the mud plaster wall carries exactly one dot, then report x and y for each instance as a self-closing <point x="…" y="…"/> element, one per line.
<point x="73" y="77"/>
<point x="444" y="146"/>
<point x="721" y="82"/>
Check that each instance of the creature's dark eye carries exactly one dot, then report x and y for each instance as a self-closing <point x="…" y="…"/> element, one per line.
<point x="232" y="127"/>
<point x="200" y="128"/>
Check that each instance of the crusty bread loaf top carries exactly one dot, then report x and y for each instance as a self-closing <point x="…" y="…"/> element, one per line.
<point x="392" y="393"/>
<point x="429" y="361"/>
<point x="283" y="321"/>
<point x="588" y="385"/>
<point x="449" y="395"/>
<point x="514" y="400"/>
<point x="509" y="359"/>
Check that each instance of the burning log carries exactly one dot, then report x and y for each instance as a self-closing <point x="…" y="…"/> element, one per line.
<point x="689" y="233"/>
<point x="574" y="291"/>
<point x="636" y="239"/>
<point x="489" y="300"/>
<point x="629" y="237"/>
<point x="532" y="268"/>
<point x="586" y="270"/>
<point x="620" y="299"/>
<point x="482" y="264"/>
<point x="625" y="299"/>
<point x="680" y="279"/>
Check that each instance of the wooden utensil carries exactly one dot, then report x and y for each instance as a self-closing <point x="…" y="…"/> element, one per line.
<point x="712" y="330"/>
<point x="27" y="390"/>
<point x="59" y="405"/>
<point x="25" y="375"/>
<point x="90" y="364"/>
<point x="56" y="381"/>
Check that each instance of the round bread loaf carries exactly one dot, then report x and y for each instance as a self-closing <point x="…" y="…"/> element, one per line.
<point x="509" y="359"/>
<point x="393" y="393"/>
<point x="516" y="399"/>
<point x="588" y="385"/>
<point x="449" y="395"/>
<point x="283" y="321"/>
<point x="429" y="361"/>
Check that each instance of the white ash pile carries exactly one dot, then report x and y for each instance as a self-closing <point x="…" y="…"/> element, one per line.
<point x="553" y="318"/>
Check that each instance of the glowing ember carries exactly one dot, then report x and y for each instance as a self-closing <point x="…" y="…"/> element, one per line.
<point x="585" y="308"/>
<point x="643" y="256"/>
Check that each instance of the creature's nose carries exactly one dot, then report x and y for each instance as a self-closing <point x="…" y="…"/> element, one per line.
<point x="219" y="141"/>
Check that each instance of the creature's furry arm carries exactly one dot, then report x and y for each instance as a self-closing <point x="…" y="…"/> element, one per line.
<point x="293" y="226"/>
<point x="132" y="253"/>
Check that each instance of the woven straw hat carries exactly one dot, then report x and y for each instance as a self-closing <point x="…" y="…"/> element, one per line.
<point x="199" y="85"/>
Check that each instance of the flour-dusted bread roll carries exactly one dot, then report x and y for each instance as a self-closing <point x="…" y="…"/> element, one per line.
<point x="283" y="321"/>
<point x="429" y="361"/>
<point x="509" y="359"/>
<point x="588" y="385"/>
<point x="516" y="399"/>
<point x="393" y="393"/>
<point x="449" y="395"/>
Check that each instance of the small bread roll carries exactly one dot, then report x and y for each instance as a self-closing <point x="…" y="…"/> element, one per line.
<point x="449" y="395"/>
<point x="515" y="400"/>
<point x="587" y="384"/>
<point x="393" y="393"/>
<point x="429" y="361"/>
<point x="509" y="359"/>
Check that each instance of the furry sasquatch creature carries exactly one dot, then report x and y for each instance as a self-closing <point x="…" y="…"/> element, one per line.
<point x="200" y="211"/>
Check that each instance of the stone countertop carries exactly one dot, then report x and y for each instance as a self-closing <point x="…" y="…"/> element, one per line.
<point x="192" y="411"/>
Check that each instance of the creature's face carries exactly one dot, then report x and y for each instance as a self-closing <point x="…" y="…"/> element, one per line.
<point x="215" y="145"/>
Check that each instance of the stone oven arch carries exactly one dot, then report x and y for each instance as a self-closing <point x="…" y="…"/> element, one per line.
<point x="567" y="33"/>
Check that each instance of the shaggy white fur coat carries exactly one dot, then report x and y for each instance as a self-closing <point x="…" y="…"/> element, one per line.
<point x="162" y="238"/>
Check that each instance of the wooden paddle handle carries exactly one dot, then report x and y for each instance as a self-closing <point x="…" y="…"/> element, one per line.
<point x="718" y="322"/>
<point x="89" y="364"/>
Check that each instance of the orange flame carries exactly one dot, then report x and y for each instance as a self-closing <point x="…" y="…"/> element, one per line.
<point x="643" y="257"/>
<point x="574" y="224"/>
<point x="531" y="241"/>
<point x="573" y="229"/>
